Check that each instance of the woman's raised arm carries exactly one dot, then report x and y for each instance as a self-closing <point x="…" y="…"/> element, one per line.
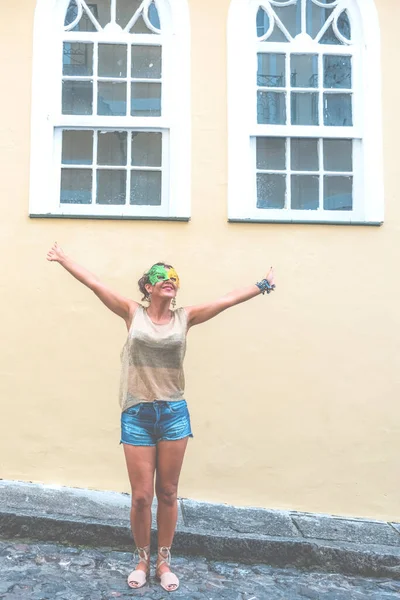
<point x="204" y="312"/>
<point x="121" y="306"/>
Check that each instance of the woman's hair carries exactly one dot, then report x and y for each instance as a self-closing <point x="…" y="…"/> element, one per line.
<point x="145" y="279"/>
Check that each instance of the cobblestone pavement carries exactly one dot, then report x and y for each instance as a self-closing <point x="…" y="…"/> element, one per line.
<point x="37" y="571"/>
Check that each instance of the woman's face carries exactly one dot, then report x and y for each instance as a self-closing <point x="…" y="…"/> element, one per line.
<point x="164" y="282"/>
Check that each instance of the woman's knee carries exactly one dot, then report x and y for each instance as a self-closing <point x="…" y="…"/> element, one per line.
<point x="167" y="494"/>
<point x="141" y="500"/>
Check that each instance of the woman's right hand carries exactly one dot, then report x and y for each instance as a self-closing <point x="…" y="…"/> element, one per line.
<point x="56" y="253"/>
<point x="121" y="306"/>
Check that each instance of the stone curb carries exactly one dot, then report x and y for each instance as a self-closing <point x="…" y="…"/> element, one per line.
<point x="218" y="532"/>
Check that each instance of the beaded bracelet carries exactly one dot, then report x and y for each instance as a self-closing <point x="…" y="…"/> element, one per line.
<point x="265" y="286"/>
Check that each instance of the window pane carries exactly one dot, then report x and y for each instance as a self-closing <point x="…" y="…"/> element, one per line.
<point x="271" y="153"/>
<point x="304" y="154"/>
<point x="146" y="100"/>
<point x="305" y="192"/>
<point x="77" y="147"/>
<point x="146" y="62"/>
<point x="112" y="60"/>
<point x="111" y="99"/>
<point x="330" y="37"/>
<point x="290" y="17"/>
<point x="271" y="108"/>
<point x="271" y="70"/>
<point x="85" y="24"/>
<point x="146" y="149"/>
<point x="338" y="110"/>
<point x="338" y="193"/>
<point x="304" y="70"/>
<point x="316" y="17"/>
<point x="101" y="10"/>
<point x="154" y="18"/>
<point x="125" y="11"/>
<point x="146" y="188"/>
<point x="338" y="155"/>
<point x="263" y="22"/>
<point x="76" y="186"/>
<point x="337" y="72"/>
<point x="111" y="187"/>
<point x="77" y="59"/>
<point x="344" y="25"/>
<point x="271" y="190"/>
<point x="112" y="148"/>
<point x="141" y="27"/>
<point x="304" y="109"/>
<point x="344" y="28"/>
<point x="77" y="97"/>
<point x="277" y="35"/>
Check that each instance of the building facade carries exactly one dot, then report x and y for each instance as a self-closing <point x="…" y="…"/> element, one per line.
<point x="223" y="137"/>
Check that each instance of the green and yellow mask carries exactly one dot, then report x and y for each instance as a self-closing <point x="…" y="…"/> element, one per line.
<point x="160" y="273"/>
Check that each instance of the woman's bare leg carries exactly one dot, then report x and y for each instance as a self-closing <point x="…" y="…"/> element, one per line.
<point x="170" y="456"/>
<point x="141" y="464"/>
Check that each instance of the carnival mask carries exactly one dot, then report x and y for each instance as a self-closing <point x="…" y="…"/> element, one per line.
<point x="160" y="273"/>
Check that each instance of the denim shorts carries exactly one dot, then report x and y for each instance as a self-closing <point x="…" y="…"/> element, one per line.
<point x="147" y="423"/>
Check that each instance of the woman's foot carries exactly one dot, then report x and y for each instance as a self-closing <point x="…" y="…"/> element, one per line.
<point x="138" y="577"/>
<point x="169" y="581"/>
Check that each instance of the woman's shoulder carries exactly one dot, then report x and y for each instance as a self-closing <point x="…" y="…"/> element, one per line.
<point x="135" y="309"/>
<point x="181" y="315"/>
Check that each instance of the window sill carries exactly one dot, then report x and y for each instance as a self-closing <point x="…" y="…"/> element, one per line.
<point x="305" y="221"/>
<point x="109" y="217"/>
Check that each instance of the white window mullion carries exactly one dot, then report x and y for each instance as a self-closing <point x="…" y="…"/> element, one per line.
<point x="113" y="11"/>
<point x="129" y="80"/>
<point x="144" y="39"/>
<point x="359" y="192"/>
<point x="321" y="89"/>
<point x="95" y="77"/>
<point x="358" y="97"/>
<point x="305" y="131"/>
<point x="303" y="16"/>
<point x="94" y="169"/>
<point x="321" y="174"/>
<point x="57" y="165"/>
<point x="167" y="74"/>
<point x="166" y="187"/>
<point x="129" y="168"/>
<point x="288" y="89"/>
<point x="111" y="122"/>
<point x="288" y="146"/>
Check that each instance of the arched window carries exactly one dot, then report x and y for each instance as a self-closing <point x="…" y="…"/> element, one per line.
<point x="111" y="114"/>
<point x="305" y="111"/>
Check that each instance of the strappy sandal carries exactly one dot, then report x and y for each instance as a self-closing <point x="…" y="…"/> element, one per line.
<point x="166" y="579"/>
<point x="138" y="578"/>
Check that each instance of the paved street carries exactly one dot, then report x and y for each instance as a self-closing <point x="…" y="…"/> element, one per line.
<point x="37" y="571"/>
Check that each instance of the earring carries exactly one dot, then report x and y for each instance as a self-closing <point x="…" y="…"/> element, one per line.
<point x="173" y="302"/>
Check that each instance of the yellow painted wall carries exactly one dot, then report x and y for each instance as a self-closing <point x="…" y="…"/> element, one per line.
<point x="294" y="396"/>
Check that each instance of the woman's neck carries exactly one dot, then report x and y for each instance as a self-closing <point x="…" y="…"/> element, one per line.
<point x="159" y="311"/>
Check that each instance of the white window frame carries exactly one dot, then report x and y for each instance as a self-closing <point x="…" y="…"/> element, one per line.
<point x="175" y="122"/>
<point x="368" y="192"/>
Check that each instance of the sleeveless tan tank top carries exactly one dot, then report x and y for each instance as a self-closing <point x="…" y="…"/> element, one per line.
<point x="152" y="360"/>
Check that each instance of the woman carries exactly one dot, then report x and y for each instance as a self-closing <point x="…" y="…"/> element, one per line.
<point x="155" y="422"/>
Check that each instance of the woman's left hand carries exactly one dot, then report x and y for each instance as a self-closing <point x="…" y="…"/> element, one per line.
<point x="271" y="277"/>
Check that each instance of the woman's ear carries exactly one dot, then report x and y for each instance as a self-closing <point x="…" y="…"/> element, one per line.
<point x="149" y="288"/>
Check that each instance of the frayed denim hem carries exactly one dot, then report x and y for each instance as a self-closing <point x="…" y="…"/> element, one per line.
<point x="130" y="444"/>
<point x="166" y="439"/>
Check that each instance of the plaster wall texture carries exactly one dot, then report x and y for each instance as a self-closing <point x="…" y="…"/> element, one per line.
<point x="294" y="396"/>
